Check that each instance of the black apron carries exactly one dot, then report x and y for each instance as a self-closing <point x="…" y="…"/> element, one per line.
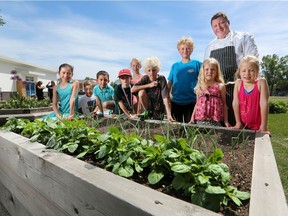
<point x="227" y="58"/>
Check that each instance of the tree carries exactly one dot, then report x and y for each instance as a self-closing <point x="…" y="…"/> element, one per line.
<point x="113" y="84"/>
<point x="89" y="78"/>
<point x="275" y="70"/>
<point x="1" y="21"/>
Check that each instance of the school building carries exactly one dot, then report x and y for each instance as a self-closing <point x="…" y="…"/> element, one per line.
<point x="21" y="77"/>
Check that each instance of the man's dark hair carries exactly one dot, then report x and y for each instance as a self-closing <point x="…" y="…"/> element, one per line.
<point x="219" y="14"/>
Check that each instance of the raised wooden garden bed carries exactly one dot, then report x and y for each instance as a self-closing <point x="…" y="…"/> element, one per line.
<point x="28" y="113"/>
<point x="25" y="110"/>
<point x="38" y="181"/>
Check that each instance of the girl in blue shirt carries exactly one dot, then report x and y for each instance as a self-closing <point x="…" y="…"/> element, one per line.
<point x="67" y="91"/>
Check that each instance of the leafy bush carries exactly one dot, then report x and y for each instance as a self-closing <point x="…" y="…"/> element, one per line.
<point x="205" y="179"/>
<point x="278" y="107"/>
<point x="17" y="101"/>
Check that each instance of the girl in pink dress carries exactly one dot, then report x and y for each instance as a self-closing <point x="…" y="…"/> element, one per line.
<point x="210" y="108"/>
<point x="251" y="95"/>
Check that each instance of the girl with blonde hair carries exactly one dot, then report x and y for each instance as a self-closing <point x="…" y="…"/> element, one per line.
<point x="251" y="95"/>
<point x="210" y="108"/>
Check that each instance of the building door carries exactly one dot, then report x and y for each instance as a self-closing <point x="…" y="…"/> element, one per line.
<point x="30" y="86"/>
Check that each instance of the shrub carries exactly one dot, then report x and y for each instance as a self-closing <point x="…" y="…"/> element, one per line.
<point x="278" y="107"/>
<point x="17" y="101"/>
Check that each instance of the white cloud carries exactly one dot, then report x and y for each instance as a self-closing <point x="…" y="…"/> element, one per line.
<point x="83" y="43"/>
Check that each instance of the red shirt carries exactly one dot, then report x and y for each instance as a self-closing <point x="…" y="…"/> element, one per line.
<point x="249" y="106"/>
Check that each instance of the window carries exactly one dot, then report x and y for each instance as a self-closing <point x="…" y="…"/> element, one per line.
<point x="29" y="79"/>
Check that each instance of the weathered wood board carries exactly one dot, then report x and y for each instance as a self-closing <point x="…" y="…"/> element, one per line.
<point x="45" y="182"/>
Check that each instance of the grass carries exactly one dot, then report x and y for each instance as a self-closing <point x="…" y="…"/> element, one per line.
<point x="278" y="98"/>
<point x="277" y="124"/>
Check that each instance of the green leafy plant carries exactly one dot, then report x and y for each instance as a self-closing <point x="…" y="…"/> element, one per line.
<point x="156" y="157"/>
<point x="278" y="107"/>
<point x="120" y="152"/>
<point x="17" y="101"/>
<point x="16" y="125"/>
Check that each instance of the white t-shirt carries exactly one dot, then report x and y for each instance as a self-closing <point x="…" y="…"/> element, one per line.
<point x="87" y="104"/>
<point x="242" y="41"/>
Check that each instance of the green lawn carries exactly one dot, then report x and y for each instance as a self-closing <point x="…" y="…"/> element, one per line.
<point x="278" y="124"/>
<point x="278" y="98"/>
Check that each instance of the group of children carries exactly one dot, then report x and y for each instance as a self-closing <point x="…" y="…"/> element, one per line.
<point x="194" y="93"/>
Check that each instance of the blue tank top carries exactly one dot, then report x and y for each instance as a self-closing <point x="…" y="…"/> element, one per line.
<point x="64" y="97"/>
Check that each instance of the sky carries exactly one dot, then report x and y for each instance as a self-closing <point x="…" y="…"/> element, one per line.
<point x="106" y="35"/>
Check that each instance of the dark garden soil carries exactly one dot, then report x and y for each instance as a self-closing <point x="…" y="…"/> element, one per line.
<point x="238" y="149"/>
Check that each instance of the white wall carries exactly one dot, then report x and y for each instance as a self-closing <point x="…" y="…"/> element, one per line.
<point x="23" y="70"/>
<point x="6" y="83"/>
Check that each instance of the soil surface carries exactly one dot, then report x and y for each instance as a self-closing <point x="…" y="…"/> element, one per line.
<point x="238" y="149"/>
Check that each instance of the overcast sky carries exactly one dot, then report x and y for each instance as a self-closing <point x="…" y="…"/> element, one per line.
<point x="105" y="35"/>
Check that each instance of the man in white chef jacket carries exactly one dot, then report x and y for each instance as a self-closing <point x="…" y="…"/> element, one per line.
<point x="229" y="47"/>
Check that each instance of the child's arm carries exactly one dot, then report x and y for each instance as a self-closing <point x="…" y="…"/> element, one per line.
<point x="99" y="104"/>
<point x="235" y="105"/>
<point x="125" y="110"/>
<point x="168" y="109"/>
<point x="225" y="108"/>
<point x="75" y="88"/>
<point x="169" y="85"/>
<point x="54" y="102"/>
<point x="137" y="88"/>
<point x="94" y="112"/>
<point x="264" y="95"/>
<point x="98" y="107"/>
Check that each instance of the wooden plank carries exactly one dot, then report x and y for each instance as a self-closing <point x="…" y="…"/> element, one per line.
<point x="82" y="189"/>
<point x="15" y="180"/>
<point x="267" y="195"/>
<point x="13" y="206"/>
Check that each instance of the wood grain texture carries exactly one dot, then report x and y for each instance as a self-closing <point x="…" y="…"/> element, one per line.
<point x="267" y="195"/>
<point x="51" y="183"/>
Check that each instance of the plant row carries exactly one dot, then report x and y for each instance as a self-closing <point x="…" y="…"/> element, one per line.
<point x="202" y="178"/>
<point x="17" y="101"/>
<point x="278" y="107"/>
